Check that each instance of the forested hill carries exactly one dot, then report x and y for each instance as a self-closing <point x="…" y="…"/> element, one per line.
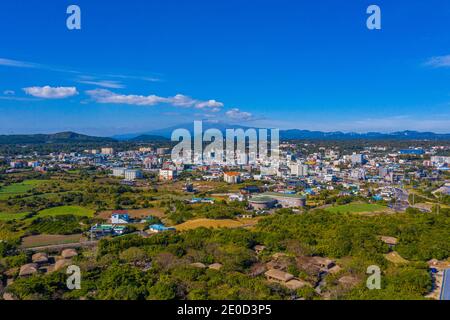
<point x="62" y="137"/>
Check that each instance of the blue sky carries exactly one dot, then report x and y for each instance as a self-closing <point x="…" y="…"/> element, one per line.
<point x="139" y="65"/>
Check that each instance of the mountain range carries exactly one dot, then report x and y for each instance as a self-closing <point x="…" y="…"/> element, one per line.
<point x="297" y="134"/>
<point x="165" y="135"/>
<point x="62" y="137"/>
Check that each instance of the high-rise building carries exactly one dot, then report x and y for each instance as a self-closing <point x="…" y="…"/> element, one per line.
<point x="357" y="158"/>
<point x="298" y="169"/>
<point x="232" y="177"/>
<point x="167" y="174"/>
<point x="107" y="151"/>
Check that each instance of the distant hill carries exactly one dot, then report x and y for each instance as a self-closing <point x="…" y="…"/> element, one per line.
<point x="319" y="135"/>
<point x="62" y="137"/>
<point x="148" y="138"/>
<point x="297" y="134"/>
<point x="167" y="132"/>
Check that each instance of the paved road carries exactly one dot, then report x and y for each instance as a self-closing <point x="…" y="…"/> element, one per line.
<point x="445" y="291"/>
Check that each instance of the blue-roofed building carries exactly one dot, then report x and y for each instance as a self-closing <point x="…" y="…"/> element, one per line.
<point x="445" y="290"/>
<point x="377" y="197"/>
<point x="120" y="217"/>
<point x="158" y="228"/>
<point x="412" y="152"/>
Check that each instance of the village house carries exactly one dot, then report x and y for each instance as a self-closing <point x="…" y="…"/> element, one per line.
<point x="390" y="241"/>
<point x="279" y="276"/>
<point x="120" y="217"/>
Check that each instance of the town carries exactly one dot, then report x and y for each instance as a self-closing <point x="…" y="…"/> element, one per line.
<point x="130" y="202"/>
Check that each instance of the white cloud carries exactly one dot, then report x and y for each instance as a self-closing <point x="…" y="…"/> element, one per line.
<point x="439" y="62"/>
<point x="179" y="100"/>
<point x="104" y="83"/>
<point x="236" y="114"/>
<point x="213" y="104"/>
<point x="16" y="63"/>
<point x="48" y="92"/>
<point x="9" y="92"/>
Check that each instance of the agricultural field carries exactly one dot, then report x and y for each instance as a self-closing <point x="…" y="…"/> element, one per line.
<point x="360" y="208"/>
<point x="210" y="223"/>
<point x="52" y="212"/>
<point x="47" y="240"/>
<point x="6" y="216"/>
<point x="66" y="210"/>
<point x="19" y="188"/>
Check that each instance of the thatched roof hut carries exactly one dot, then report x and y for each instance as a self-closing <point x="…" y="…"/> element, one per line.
<point x="39" y="258"/>
<point x="198" y="265"/>
<point x="278" y="275"/>
<point x="69" y="253"/>
<point x="61" y="264"/>
<point x="28" y="269"/>
<point x="215" y="266"/>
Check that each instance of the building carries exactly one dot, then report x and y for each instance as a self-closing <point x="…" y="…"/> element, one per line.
<point x="286" y="200"/>
<point x="158" y="228"/>
<point x="162" y="151"/>
<point x="262" y="203"/>
<point x="357" y="158"/>
<point x="16" y="164"/>
<point x="102" y="230"/>
<point x="167" y="174"/>
<point x="107" y="151"/>
<point x="358" y="174"/>
<point x="202" y="200"/>
<point x="412" y="152"/>
<point x="232" y="177"/>
<point x="119" y="172"/>
<point x="268" y="171"/>
<point x="439" y="160"/>
<point x="120" y="217"/>
<point x="298" y="169"/>
<point x="34" y="164"/>
<point x="150" y="162"/>
<point x="390" y="241"/>
<point x="278" y="276"/>
<point x="133" y="174"/>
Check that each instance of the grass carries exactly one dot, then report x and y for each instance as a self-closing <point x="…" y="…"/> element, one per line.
<point x="66" y="210"/>
<point x="208" y="223"/>
<point x="19" y="188"/>
<point x="358" y="208"/>
<point x="12" y="216"/>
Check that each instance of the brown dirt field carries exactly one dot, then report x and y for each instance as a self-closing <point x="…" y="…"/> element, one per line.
<point x="46" y="240"/>
<point x="140" y="213"/>
<point x="208" y="223"/>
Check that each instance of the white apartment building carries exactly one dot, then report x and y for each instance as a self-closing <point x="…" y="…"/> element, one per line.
<point x="133" y="174"/>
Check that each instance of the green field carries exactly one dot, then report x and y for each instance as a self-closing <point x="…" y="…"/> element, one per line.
<point x="19" y="188"/>
<point x="12" y="216"/>
<point x="66" y="210"/>
<point x="358" y="208"/>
